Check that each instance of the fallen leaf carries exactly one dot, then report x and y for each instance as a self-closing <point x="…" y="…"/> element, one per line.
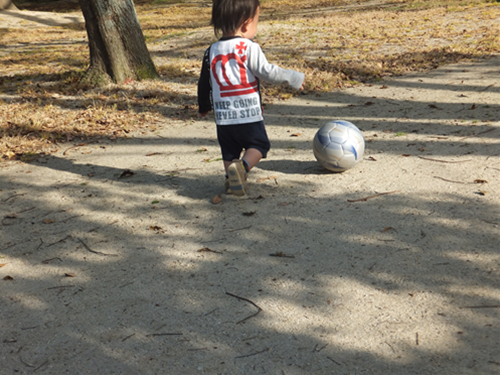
<point x="388" y="229"/>
<point x="295" y="135"/>
<point x="70" y="274"/>
<point x="49" y="221"/>
<point x="3" y="265"/>
<point x="250" y="213"/>
<point x="126" y="173"/>
<point x="472" y="107"/>
<point x="208" y="250"/>
<point x="479" y="181"/>
<point x="369" y="103"/>
<point x="384" y="87"/>
<point x="217" y="199"/>
<point x="435" y="107"/>
<point x="267" y="178"/>
<point x="155" y="227"/>
<point x="482" y="192"/>
<point x="7" y="278"/>
<point x="371" y="158"/>
<point x="406" y="155"/>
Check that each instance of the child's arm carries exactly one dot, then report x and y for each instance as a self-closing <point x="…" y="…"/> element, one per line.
<point x="262" y="69"/>
<point x="204" y="87"/>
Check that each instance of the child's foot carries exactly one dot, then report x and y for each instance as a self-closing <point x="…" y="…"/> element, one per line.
<point x="237" y="177"/>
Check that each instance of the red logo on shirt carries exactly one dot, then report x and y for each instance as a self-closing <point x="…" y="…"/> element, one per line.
<point x="230" y="74"/>
<point x="241" y="48"/>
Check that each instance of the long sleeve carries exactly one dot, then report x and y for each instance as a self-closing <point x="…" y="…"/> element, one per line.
<point x="261" y="68"/>
<point x="204" y="85"/>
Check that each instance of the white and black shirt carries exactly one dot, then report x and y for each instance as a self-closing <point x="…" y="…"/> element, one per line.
<point x="229" y="80"/>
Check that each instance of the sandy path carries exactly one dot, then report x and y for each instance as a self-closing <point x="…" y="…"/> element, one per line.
<point x="106" y="272"/>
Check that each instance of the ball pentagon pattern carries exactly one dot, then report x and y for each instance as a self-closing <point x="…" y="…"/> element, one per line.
<point x="338" y="145"/>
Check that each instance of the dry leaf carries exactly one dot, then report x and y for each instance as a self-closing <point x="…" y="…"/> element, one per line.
<point x="371" y="158"/>
<point x="49" y="221"/>
<point x="8" y="278"/>
<point x="387" y="229"/>
<point x="295" y="135"/>
<point x="217" y="199"/>
<point x="472" y="108"/>
<point x="3" y="265"/>
<point x="267" y="178"/>
<point x="126" y="173"/>
<point x="70" y="274"/>
<point x="406" y="155"/>
<point x="479" y="181"/>
<point x="155" y="227"/>
<point x="435" y="107"/>
<point x="250" y="213"/>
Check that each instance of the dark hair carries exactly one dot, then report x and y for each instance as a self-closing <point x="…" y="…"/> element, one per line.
<point x="229" y="15"/>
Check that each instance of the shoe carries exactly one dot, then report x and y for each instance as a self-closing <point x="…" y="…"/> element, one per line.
<point x="237" y="177"/>
<point x="226" y="186"/>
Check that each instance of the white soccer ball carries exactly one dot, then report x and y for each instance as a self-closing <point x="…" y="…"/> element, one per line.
<point x="338" y="145"/>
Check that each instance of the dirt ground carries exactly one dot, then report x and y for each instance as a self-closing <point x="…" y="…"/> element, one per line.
<point x="115" y="260"/>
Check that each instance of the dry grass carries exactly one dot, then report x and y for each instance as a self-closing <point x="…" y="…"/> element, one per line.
<point x="42" y="104"/>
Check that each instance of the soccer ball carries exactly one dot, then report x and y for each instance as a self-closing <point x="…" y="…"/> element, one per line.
<point x="338" y="145"/>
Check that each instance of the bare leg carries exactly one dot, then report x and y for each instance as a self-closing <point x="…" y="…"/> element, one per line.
<point x="252" y="156"/>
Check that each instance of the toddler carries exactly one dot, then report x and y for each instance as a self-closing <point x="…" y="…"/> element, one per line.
<point x="229" y="85"/>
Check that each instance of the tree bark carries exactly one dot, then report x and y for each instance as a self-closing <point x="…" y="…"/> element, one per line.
<point x="7" y="5"/>
<point x="118" y="51"/>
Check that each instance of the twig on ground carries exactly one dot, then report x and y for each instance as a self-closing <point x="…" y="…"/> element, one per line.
<point x="69" y="218"/>
<point x="247" y="300"/>
<point x="164" y="334"/>
<point x="129" y="336"/>
<point x="372" y="196"/>
<point x="43" y="364"/>
<point x="39" y="246"/>
<point x="13" y="196"/>
<point x="481" y="307"/>
<point x="208" y="250"/>
<point x="281" y="254"/>
<point x="95" y="252"/>
<point x="75" y="146"/>
<point x="444" y="161"/>
<point x="316" y="350"/>
<point x="334" y="361"/>
<point x="487" y="87"/>
<point x="236" y="229"/>
<point x="65" y="238"/>
<point x="251" y="355"/>
<point x="474" y="135"/>
<point x="445" y="179"/>
<point x="47" y="261"/>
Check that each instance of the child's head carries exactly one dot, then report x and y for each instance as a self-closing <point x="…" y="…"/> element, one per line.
<point x="229" y="15"/>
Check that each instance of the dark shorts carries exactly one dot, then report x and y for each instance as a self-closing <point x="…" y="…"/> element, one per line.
<point x="233" y="139"/>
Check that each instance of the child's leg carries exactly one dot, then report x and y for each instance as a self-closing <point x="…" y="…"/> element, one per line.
<point x="252" y="156"/>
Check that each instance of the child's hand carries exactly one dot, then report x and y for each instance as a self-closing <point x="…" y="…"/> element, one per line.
<point x="302" y="87"/>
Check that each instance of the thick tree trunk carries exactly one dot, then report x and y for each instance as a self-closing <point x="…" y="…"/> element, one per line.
<point x="118" y="50"/>
<point x="7" y="5"/>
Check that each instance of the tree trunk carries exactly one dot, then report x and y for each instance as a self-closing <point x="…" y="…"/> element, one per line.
<point x="7" y="5"/>
<point x="118" y="51"/>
